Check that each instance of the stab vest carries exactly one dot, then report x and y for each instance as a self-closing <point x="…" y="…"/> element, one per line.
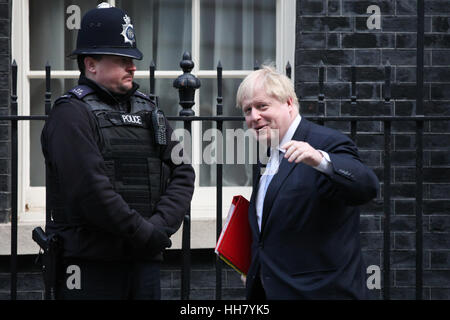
<point x="127" y="143"/>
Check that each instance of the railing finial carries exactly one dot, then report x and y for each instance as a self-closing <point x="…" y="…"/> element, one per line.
<point x="186" y="84"/>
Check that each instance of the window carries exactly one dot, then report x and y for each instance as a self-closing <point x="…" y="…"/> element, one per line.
<point x="236" y="32"/>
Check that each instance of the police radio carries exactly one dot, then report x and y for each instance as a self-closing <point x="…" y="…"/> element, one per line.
<point x="159" y="125"/>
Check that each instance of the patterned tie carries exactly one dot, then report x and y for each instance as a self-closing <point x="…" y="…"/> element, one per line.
<point x="266" y="178"/>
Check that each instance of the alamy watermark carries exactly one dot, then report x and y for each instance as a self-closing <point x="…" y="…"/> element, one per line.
<point x="374" y="21"/>
<point x="374" y="279"/>
<point x="74" y="17"/>
<point x="234" y="146"/>
<point x="74" y="279"/>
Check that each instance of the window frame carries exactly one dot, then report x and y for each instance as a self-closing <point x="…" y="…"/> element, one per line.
<point x="31" y="200"/>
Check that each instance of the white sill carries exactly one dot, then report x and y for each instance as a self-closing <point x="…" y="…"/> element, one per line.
<point x="203" y="222"/>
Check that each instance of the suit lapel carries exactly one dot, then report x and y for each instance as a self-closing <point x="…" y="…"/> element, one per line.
<point x="252" y="211"/>
<point x="284" y="170"/>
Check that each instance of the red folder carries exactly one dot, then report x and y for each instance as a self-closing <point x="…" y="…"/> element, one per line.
<point x="235" y="240"/>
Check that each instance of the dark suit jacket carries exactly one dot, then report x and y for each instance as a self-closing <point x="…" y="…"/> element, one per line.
<point x="309" y="246"/>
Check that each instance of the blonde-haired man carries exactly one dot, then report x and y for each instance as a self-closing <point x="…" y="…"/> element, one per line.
<point x="303" y="214"/>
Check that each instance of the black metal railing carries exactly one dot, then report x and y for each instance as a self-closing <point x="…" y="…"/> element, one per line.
<point x="187" y="84"/>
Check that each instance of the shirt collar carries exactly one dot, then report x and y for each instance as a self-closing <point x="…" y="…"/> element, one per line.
<point x="290" y="132"/>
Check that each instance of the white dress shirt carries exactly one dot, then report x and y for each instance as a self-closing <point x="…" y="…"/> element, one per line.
<point x="276" y="155"/>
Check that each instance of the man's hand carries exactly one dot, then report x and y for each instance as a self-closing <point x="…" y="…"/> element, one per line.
<point x="244" y="279"/>
<point x="300" y="151"/>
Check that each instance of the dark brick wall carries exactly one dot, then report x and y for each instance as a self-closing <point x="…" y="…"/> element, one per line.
<point x="30" y="285"/>
<point x="203" y="277"/>
<point x="335" y="32"/>
<point x="5" y="155"/>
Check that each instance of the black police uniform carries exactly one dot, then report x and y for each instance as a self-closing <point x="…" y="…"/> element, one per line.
<point x="114" y="194"/>
<point x="109" y="198"/>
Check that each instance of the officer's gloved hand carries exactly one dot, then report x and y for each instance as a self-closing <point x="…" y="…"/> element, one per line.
<point x="159" y="240"/>
<point x="169" y="231"/>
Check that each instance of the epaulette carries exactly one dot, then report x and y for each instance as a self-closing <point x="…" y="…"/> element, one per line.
<point x="142" y="95"/>
<point x="78" y="92"/>
<point x="62" y="98"/>
<point x="81" y="91"/>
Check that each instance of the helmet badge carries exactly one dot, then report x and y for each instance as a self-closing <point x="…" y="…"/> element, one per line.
<point x="127" y="30"/>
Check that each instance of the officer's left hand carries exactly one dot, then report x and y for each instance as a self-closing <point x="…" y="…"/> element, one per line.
<point x="159" y="240"/>
<point x="300" y="151"/>
<point x="168" y="230"/>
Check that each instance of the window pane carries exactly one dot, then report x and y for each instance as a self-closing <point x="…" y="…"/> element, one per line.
<point x="37" y="107"/>
<point x="237" y="32"/>
<point x="52" y="32"/>
<point x="233" y="174"/>
<point x="163" y="30"/>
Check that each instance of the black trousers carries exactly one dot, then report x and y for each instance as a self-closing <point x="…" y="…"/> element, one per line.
<point x="257" y="292"/>
<point x="94" y="280"/>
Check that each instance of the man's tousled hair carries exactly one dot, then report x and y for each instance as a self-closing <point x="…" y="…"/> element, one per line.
<point x="275" y="84"/>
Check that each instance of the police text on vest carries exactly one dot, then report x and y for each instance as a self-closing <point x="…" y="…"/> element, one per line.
<point x="129" y="118"/>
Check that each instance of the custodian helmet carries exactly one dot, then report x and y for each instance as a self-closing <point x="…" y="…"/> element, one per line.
<point x="106" y="30"/>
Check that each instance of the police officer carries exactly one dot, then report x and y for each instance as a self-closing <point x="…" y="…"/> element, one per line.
<point x="114" y="193"/>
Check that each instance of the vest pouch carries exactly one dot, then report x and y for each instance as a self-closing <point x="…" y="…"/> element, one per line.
<point x="137" y="197"/>
<point x="133" y="184"/>
<point x="154" y="174"/>
<point x="165" y="177"/>
<point x="133" y="190"/>
<point x="139" y="183"/>
<point x="109" y="170"/>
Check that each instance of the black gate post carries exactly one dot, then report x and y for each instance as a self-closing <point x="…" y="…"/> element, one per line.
<point x="186" y="84"/>
<point x="219" y="172"/>
<point x="48" y="105"/>
<point x="387" y="188"/>
<point x="14" y="182"/>
<point x="320" y="98"/>
<point x="419" y="148"/>
<point x="152" y="81"/>
<point x="353" y="104"/>
<point x="49" y="293"/>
